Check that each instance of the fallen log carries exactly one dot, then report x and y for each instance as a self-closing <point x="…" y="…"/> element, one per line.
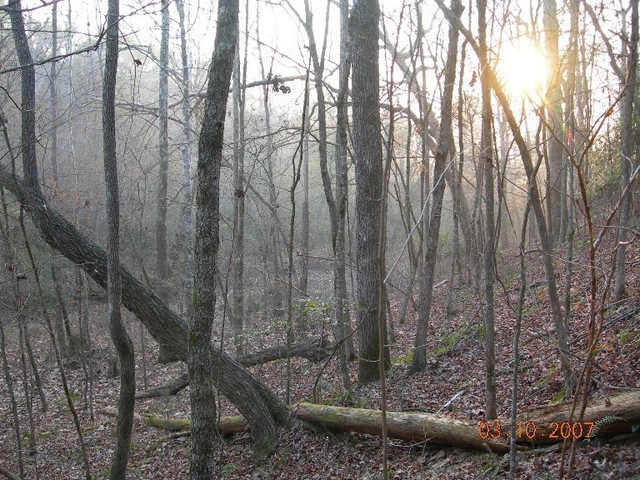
<point x="172" y="388"/>
<point x="609" y="416"/>
<point x="410" y="426"/>
<point x="313" y="351"/>
<point x="226" y="426"/>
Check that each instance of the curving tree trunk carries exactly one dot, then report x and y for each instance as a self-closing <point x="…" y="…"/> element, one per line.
<point x="200" y="360"/>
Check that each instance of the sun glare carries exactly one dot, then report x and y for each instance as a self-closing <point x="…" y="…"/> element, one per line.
<point x="523" y="69"/>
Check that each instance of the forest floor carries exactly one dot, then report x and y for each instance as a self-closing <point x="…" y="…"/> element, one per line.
<point x="455" y="371"/>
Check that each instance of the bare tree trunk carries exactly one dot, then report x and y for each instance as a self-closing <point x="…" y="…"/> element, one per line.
<point x="54" y="97"/>
<point x="627" y="155"/>
<point x="445" y="146"/>
<point x="237" y="304"/>
<point x="303" y="284"/>
<point x="163" y="151"/>
<point x="335" y="203"/>
<point x="200" y="359"/>
<point x="456" y="190"/>
<point x="162" y="267"/>
<point x="162" y="270"/>
<point x="28" y="96"/>
<point x="186" y="162"/>
<point x="342" y="312"/>
<point x="119" y="335"/>
<point x="275" y="290"/>
<point x="557" y="172"/>
<point x="486" y="157"/>
<point x="367" y="149"/>
<point x="295" y="174"/>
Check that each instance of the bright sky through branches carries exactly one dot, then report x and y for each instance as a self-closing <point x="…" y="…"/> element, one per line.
<point x="523" y="69"/>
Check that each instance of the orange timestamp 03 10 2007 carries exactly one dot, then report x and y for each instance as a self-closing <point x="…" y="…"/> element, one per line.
<point x="530" y="430"/>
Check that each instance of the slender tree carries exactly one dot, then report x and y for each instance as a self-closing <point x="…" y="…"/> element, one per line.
<point x="627" y="154"/>
<point x="118" y="331"/>
<point x="186" y="158"/>
<point x="486" y="157"/>
<point x="557" y="171"/>
<point x="443" y="153"/>
<point x="163" y="150"/>
<point x="237" y="302"/>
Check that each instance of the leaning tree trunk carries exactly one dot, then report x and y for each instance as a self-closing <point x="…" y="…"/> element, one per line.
<point x="119" y="335"/>
<point x="255" y="401"/>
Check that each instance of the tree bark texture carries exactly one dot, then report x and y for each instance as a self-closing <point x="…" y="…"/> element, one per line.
<point x="162" y="270"/>
<point x="603" y="418"/>
<point x="367" y="149"/>
<point x="54" y="97"/>
<point x="200" y="354"/>
<point x="119" y="335"/>
<point x="186" y="161"/>
<point x="28" y="98"/>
